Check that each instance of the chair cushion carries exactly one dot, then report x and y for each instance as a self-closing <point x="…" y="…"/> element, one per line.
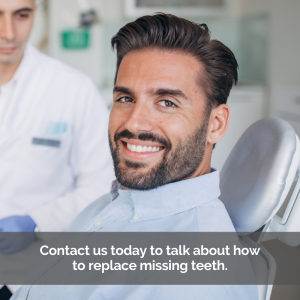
<point x="259" y="172"/>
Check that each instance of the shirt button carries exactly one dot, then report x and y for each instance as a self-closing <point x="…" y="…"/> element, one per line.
<point x="98" y="223"/>
<point x="21" y="299"/>
<point x="135" y="218"/>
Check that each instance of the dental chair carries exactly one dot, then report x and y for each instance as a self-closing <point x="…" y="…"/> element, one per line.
<point x="255" y="181"/>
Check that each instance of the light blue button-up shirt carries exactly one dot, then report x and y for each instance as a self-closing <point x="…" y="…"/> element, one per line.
<point x="190" y="205"/>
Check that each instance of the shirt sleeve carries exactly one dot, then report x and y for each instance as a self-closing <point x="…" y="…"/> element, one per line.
<point x="90" y="162"/>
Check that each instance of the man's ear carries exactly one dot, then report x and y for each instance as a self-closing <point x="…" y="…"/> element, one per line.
<point x="218" y="123"/>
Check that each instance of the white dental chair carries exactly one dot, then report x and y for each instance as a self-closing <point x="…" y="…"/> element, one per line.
<point x="255" y="181"/>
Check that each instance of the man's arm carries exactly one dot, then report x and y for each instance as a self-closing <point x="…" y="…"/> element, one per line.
<point x="90" y="161"/>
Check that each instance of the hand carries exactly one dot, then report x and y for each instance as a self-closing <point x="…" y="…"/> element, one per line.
<point x="16" y="233"/>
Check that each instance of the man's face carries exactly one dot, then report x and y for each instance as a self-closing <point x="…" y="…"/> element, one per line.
<point x="158" y="122"/>
<point x="16" y="19"/>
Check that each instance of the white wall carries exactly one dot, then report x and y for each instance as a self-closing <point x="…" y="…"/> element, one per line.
<point x="284" y="42"/>
<point x="64" y="15"/>
<point x="283" y="55"/>
<point x="39" y="27"/>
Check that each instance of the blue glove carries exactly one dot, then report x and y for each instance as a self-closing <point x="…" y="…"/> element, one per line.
<point x="23" y="233"/>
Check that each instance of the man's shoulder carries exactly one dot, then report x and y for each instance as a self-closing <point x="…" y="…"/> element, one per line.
<point x="213" y="216"/>
<point x="57" y="69"/>
<point x="84" y="218"/>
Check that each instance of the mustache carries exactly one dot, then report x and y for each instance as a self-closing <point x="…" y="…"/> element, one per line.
<point x="143" y="137"/>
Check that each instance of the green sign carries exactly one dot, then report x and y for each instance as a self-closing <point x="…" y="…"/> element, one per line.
<point x="75" y="39"/>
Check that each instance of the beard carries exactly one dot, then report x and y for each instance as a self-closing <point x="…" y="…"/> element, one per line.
<point x="176" y="165"/>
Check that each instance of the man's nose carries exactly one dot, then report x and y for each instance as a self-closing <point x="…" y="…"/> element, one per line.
<point x="140" y="119"/>
<point x="7" y="31"/>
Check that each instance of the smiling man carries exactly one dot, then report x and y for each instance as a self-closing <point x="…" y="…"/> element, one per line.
<point x="169" y="101"/>
<point x="171" y="87"/>
<point x="162" y="128"/>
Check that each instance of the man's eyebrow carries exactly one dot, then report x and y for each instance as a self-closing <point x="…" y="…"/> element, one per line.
<point x="121" y="89"/>
<point x="171" y="92"/>
<point x="25" y="9"/>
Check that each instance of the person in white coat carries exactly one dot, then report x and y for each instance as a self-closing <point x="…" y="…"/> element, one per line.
<point x="54" y="153"/>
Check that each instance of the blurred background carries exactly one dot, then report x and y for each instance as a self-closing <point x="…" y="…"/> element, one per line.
<point x="263" y="34"/>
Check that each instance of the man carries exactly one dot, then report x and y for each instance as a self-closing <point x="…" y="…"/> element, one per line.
<point x="169" y="109"/>
<point x="54" y="153"/>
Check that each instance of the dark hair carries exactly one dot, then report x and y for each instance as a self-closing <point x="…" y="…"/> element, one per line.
<point x="169" y="32"/>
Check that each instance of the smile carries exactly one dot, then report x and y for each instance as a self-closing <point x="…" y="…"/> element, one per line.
<point x="140" y="148"/>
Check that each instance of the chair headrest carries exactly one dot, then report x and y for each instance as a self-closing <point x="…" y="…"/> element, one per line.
<point x="259" y="172"/>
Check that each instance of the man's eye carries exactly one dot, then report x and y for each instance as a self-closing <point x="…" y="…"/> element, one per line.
<point x="23" y="16"/>
<point x="125" y="99"/>
<point x="167" y="103"/>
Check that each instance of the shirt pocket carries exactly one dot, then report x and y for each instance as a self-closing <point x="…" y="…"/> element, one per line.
<point x="43" y="163"/>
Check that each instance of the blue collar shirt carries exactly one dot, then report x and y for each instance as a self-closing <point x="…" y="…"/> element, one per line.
<point x="190" y="205"/>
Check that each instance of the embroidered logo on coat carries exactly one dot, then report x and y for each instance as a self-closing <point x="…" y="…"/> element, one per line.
<point x="55" y="128"/>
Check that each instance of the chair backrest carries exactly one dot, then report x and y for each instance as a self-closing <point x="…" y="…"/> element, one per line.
<point x="254" y="183"/>
<point x="259" y="172"/>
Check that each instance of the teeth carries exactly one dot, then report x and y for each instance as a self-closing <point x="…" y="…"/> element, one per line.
<point x="135" y="148"/>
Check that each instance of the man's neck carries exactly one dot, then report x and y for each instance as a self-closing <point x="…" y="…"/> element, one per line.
<point x="8" y="70"/>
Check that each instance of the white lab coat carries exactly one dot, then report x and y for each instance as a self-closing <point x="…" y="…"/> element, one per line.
<point x="54" y="153"/>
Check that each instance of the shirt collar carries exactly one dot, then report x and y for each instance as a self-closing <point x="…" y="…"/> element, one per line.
<point x="23" y="65"/>
<point x="171" y="198"/>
